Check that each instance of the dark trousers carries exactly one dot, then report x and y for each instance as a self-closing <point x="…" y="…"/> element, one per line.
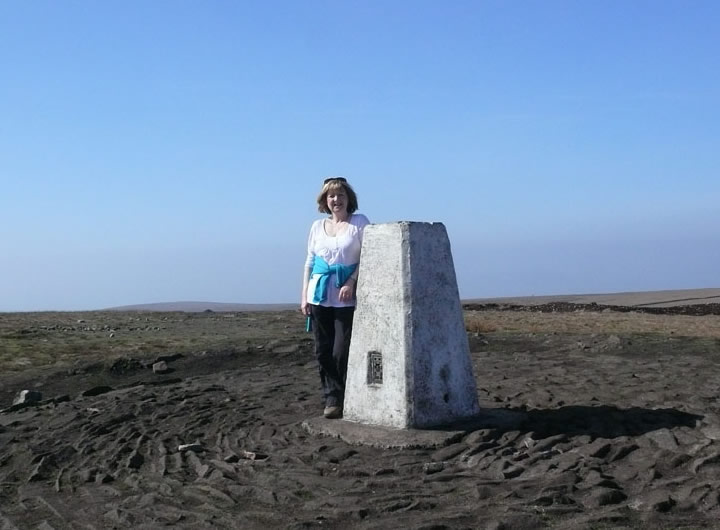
<point x="332" y="327"/>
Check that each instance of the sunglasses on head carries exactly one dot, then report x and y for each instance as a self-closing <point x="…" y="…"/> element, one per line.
<point x="339" y="179"/>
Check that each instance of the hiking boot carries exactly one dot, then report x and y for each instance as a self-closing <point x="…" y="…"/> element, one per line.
<point x="333" y="412"/>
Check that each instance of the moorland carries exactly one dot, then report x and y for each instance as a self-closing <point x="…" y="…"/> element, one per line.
<point x="618" y="425"/>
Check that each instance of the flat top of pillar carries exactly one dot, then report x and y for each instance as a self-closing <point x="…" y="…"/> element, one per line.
<point x="404" y="223"/>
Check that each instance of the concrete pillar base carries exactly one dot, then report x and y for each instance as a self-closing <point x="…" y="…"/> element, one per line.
<point x="390" y="438"/>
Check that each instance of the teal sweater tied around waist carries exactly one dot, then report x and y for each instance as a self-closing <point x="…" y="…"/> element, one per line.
<point x="341" y="272"/>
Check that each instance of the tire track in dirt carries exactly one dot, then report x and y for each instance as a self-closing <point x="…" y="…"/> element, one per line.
<point x="614" y="432"/>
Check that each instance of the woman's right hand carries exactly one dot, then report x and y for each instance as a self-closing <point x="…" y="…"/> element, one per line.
<point x="305" y="307"/>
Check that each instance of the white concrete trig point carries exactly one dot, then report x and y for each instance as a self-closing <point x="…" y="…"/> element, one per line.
<point x="409" y="364"/>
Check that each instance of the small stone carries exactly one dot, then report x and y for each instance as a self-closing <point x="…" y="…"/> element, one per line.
<point x="433" y="467"/>
<point x="251" y="455"/>
<point x="194" y="447"/>
<point x="160" y="367"/>
<point x="27" y="396"/>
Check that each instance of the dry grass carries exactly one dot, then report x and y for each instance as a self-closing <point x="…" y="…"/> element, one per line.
<point x="476" y="323"/>
<point x="30" y="340"/>
<point x="581" y="322"/>
<point x="61" y="339"/>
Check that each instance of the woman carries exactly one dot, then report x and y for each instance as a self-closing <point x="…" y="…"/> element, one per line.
<point x="329" y="279"/>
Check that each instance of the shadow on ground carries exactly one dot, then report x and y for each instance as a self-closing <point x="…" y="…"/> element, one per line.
<point x="603" y="421"/>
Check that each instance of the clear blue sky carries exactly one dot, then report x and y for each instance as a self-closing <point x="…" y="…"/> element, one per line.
<point x="157" y="151"/>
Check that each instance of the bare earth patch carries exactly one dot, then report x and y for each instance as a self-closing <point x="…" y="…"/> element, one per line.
<point x="618" y="427"/>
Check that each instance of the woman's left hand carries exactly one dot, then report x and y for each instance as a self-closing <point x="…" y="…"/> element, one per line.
<point x="346" y="293"/>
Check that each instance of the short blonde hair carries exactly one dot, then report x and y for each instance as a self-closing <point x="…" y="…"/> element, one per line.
<point x="334" y="183"/>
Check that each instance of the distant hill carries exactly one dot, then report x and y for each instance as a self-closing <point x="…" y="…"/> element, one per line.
<point x="199" y="307"/>
<point x="640" y="299"/>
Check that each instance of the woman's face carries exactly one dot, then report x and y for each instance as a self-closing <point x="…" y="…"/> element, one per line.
<point x="337" y="200"/>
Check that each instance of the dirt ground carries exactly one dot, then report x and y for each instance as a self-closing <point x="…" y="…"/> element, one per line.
<point x="619" y="426"/>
